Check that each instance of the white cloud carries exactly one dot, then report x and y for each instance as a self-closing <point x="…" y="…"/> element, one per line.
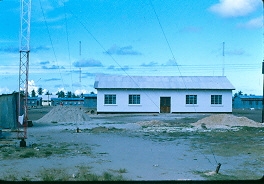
<point x="5" y="90"/>
<point x="31" y="86"/>
<point x="253" y="23"/>
<point x="80" y="91"/>
<point x="235" y="8"/>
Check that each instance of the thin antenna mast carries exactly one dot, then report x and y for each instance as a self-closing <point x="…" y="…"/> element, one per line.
<point x="80" y="48"/>
<point x="223" y="69"/>
<point x="80" y="76"/>
<point x="80" y="52"/>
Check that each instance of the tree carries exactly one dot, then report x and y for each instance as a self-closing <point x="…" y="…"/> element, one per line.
<point x="69" y="94"/>
<point x="74" y="96"/>
<point x="240" y="93"/>
<point x="40" y="91"/>
<point x="33" y="93"/>
<point x="60" y="94"/>
<point x="48" y="93"/>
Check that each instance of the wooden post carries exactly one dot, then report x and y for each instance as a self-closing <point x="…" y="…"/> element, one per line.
<point x="23" y="143"/>
<point x="263" y="94"/>
<point x="218" y="168"/>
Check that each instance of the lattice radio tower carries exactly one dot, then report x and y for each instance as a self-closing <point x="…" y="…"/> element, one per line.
<point x="25" y="14"/>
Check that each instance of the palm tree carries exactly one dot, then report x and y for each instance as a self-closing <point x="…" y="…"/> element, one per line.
<point x="33" y="93"/>
<point x="40" y="91"/>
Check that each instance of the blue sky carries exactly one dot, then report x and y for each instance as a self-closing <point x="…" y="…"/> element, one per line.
<point x="139" y="37"/>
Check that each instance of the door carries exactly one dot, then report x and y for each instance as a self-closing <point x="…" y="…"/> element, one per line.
<point x="165" y="104"/>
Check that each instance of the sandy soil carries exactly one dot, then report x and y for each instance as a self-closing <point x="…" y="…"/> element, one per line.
<point x="134" y="146"/>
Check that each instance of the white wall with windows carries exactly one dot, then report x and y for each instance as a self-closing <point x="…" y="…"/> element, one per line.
<point x="204" y="101"/>
<point x="148" y="100"/>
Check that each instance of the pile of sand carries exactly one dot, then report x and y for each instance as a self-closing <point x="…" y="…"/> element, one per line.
<point x="225" y="121"/>
<point x="152" y="123"/>
<point x="65" y="114"/>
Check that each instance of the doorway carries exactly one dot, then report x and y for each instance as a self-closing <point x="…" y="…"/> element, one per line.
<point x="165" y="104"/>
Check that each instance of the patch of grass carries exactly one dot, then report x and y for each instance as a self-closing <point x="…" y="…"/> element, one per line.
<point x="54" y="175"/>
<point x="43" y="150"/>
<point x="10" y="177"/>
<point x="123" y="170"/>
<point x="110" y="177"/>
<point x="120" y="171"/>
<point x="230" y="143"/>
<point x="26" y="178"/>
<point x="84" y="174"/>
<point x="48" y="153"/>
<point x="232" y="175"/>
<point x="89" y="153"/>
<point x="188" y="120"/>
<point x="28" y="154"/>
<point x="103" y="153"/>
<point x="103" y="129"/>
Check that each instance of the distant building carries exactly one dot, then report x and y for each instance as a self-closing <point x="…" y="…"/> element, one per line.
<point x="34" y="101"/>
<point x="90" y="100"/>
<point x="163" y="94"/>
<point x="67" y="101"/>
<point x="247" y="102"/>
<point x="46" y="99"/>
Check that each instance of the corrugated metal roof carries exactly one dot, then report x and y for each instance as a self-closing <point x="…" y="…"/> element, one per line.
<point x="162" y="82"/>
<point x="34" y="98"/>
<point x="89" y="95"/>
<point x="245" y="97"/>
<point x="67" y="99"/>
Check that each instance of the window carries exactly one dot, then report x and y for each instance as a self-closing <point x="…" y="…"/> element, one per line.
<point x="216" y="99"/>
<point x="191" y="99"/>
<point x="134" y="99"/>
<point x="110" y="99"/>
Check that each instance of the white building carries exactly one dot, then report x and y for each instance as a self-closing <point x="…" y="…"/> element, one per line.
<point x="163" y="94"/>
<point x="46" y="99"/>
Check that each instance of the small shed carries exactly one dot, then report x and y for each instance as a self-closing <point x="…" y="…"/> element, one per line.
<point x="9" y="110"/>
<point x="247" y="102"/>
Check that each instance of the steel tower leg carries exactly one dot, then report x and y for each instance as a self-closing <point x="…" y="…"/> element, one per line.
<point x="25" y="15"/>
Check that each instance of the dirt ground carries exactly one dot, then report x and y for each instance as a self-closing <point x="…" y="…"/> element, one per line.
<point x="133" y="147"/>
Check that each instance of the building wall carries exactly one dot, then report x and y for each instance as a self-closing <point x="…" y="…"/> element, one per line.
<point x="90" y="102"/>
<point x="34" y="102"/>
<point x="8" y="111"/>
<point x="150" y="100"/>
<point x="46" y="99"/>
<point x="67" y="101"/>
<point x="247" y="103"/>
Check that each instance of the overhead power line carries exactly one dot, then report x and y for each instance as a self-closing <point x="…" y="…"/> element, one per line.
<point x="53" y="50"/>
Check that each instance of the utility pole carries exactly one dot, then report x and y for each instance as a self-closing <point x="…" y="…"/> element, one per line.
<point x="80" y="53"/>
<point x="223" y="69"/>
<point x="263" y="93"/>
<point x="263" y="62"/>
<point x="25" y="14"/>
